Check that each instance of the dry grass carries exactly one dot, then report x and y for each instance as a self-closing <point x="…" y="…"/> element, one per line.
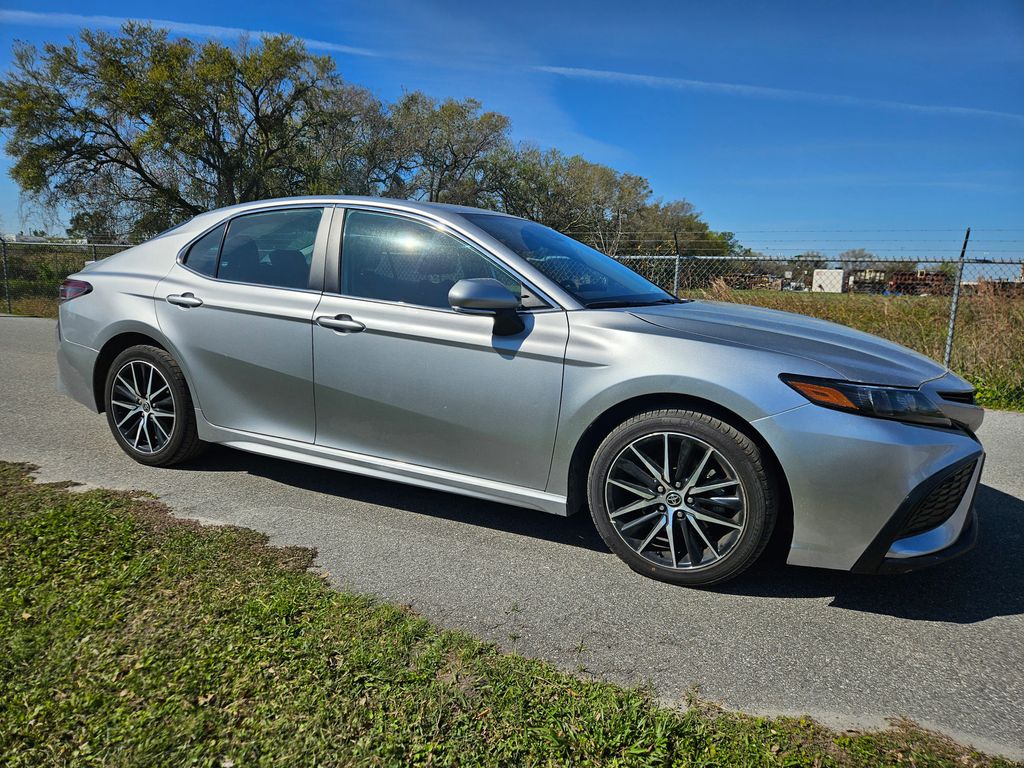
<point x="33" y="307"/>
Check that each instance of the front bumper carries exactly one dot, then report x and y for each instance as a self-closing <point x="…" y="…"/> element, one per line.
<point x="893" y="551"/>
<point x="965" y="543"/>
<point x="854" y="482"/>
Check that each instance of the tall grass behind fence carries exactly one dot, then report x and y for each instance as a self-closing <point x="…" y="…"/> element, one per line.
<point x="908" y="300"/>
<point x="32" y="272"/>
<point x="910" y="306"/>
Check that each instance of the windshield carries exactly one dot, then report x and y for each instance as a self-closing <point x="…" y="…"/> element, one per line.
<point x="593" y="279"/>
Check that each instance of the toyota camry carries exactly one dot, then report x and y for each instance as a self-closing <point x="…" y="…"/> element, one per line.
<point x="487" y="355"/>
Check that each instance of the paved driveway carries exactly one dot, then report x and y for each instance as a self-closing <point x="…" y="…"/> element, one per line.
<point x="944" y="647"/>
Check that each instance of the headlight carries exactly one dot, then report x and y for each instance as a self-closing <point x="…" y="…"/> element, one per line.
<point x="881" y="402"/>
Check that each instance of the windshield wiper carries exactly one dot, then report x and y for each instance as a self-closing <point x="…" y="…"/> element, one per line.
<point x="610" y="303"/>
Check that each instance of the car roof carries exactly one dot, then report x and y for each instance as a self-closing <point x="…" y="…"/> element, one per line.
<point x="389" y="202"/>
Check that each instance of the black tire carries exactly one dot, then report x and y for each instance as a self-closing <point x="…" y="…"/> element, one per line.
<point x="182" y="440"/>
<point x="758" y="493"/>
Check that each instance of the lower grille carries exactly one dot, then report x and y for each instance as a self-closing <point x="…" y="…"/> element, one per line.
<point x="939" y="505"/>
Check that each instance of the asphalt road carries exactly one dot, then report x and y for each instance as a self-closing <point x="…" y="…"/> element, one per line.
<point x="944" y="647"/>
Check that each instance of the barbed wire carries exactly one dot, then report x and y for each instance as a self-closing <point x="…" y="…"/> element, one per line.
<point x="754" y="259"/>
<point x="627" y="246"/>
<point x="959" y="230"/>
<point x="668" y="235"/>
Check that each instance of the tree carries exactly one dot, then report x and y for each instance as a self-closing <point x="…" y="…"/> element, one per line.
<point x="134" y="132"/>
<point x="522" y="181"/>
<point x="663" y="225"/>
<point x="591" y="202"/>
<point x="154" y="130"/>
<point x="535" y="184"/>
<point x="610" y="203"/>
<point x="97" y="226"/>
<point x="448" y="142"/>
<point x="860" y="259"/>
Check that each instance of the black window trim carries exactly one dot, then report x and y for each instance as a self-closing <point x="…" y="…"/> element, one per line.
<point x="317" y="261"/>
<point x="332" y="275"/>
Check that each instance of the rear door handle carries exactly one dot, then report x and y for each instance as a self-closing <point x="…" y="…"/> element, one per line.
<point x="185" y="300"/>
<point x="340" y="323"/>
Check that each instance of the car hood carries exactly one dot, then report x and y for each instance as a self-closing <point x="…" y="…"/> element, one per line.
<point x="852" y="354"/>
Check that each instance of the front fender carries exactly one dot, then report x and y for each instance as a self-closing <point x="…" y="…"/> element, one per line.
<point x="611" y="360"/>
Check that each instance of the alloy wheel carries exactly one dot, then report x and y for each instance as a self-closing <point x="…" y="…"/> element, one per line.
<point x="143" y="406"/>
<point x="675" y="500"/>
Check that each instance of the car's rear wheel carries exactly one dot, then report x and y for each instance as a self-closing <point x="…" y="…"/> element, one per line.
<point x="149" y="408"/>
<point x="682" y="497"/>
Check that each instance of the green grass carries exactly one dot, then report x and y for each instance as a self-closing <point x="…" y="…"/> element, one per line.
<point x="128" y="637"/>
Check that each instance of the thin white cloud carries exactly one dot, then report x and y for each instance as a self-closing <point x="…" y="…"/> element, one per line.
<point x="980" y="181"/>
<point x="33" y="19"/>
<point x="756" y="91"/>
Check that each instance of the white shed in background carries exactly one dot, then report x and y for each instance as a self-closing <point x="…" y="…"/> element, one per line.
<point x="828" y="280"/>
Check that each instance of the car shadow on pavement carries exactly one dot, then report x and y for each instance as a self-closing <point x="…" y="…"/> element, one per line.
<point x="577" y="531"/>
<point x="985" y="582"/>
<point x="988" y="581"/>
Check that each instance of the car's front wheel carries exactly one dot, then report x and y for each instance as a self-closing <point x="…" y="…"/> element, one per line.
<point x="149" y="408"/>
<point x="682" y="497"/>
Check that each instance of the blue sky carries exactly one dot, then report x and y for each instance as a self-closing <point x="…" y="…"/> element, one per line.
<point x="804" y="116"/>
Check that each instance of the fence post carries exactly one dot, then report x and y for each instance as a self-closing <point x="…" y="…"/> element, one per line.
<point x="955" y="302"/>
<point x="675" y="282"/>
<point x="7" y="282"/>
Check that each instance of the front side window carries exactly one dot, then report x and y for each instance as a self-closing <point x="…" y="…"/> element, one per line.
<point x="593" y="279"/>
<point x="272" y="248"/>
<point x="391" y="258"/>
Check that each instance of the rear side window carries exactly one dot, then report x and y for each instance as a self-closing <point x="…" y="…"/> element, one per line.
<point x="202" y="256"/>
<point x="270" y="248"/>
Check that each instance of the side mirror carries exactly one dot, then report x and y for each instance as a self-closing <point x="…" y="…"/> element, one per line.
<point x="487" y="296"/>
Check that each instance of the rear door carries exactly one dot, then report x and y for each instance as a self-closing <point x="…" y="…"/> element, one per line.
<point x="238" y="308"/>
<point x="411" y="380"/>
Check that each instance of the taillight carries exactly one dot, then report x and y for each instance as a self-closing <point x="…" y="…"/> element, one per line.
<point x="72" y="289"/>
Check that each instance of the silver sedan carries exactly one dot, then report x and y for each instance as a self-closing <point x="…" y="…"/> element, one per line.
<point x="483" y="354"/>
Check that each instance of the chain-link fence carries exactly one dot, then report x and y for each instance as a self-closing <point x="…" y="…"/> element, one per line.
<point x="967" y="312"/>
<point x="33" y="271"/>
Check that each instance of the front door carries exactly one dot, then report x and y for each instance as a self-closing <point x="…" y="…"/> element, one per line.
<point x="407" y="378"/>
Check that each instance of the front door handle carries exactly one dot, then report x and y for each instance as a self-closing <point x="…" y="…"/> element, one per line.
<point x="340" y="323"/>
<point x="185" y="300"/>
